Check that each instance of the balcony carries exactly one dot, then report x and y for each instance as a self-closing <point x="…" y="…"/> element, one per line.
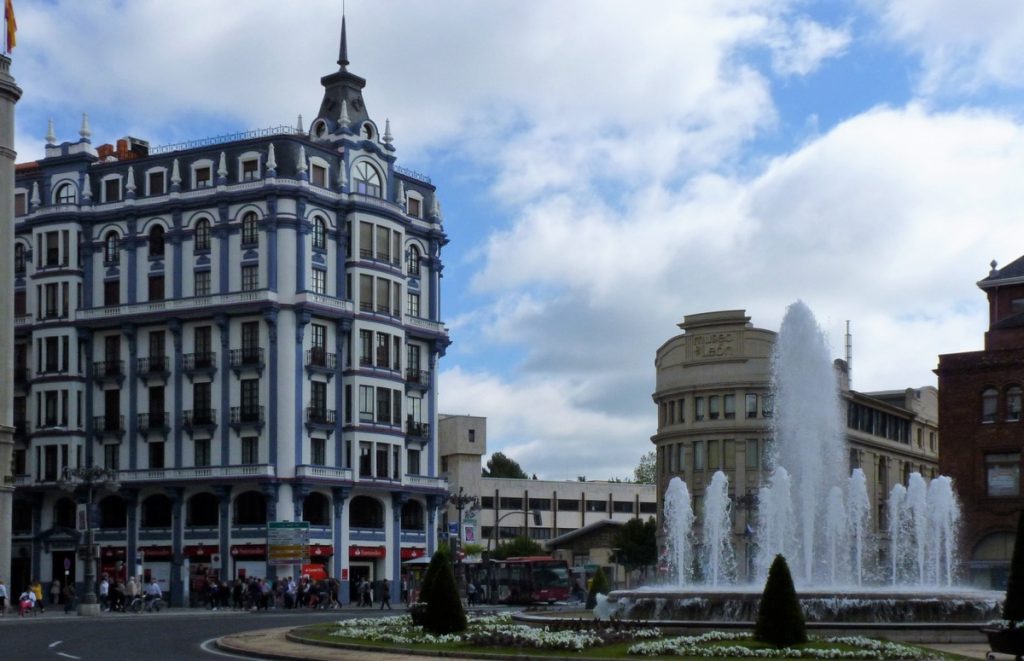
<point x="421" y="324"/>
<point x="417" y="430"/>
<point x="203" y="363"/>
<point x="425" y="481"/>
<point x="177" y="305"/>
<point x="246" y="417"/>
<point x="320" y="361"/>
<point x="153" y="423"/>
<point x="250" y="358"/>
<point x="200" y="473"/>
<point x="202" y="420"/>
<point x="324" y="473"/>
<point x="418" y="379"/>
<point x="153" y="367"/>
<point x="106" y="371"/>
<point x="318" y="418"/>
<point x="108" y="426"/>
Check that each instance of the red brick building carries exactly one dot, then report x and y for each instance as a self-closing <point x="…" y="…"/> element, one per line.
<point x="982" y="431"/>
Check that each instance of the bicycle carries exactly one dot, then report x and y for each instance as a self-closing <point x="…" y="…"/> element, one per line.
<point x="140" y="604"/>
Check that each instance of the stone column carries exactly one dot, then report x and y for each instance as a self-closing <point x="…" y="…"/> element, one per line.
<point x="177" y="495"/>
<point x="9" y="95"/>
<point x="223" y="493"/>
<point x="398" y="501"/>
<point x="339" y="534"/>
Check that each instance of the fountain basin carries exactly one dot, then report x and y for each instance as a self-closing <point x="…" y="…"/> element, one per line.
<point x="831" y="605"/>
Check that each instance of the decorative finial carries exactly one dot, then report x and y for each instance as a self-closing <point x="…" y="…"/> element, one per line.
<point x="85" y="131"/>
<point x="130" y="184"/>
<point x="342" y="177"/>
<point x="302" y="160"/>
<point x="175" y="174"/>
<point x="388" y="139"/>
<point x="35" y="194"/>
<point x="86" y="188"/>
<point x="993" y="264"/>
<point x="435" y="211"/>
<point x="51" y="137"/>
<point x="343" y="118"/>
<point x="271" y="161"/>
<point x="222" y="167"/>
<point x="400" y="194"/>
<point x="298" y="126"/>
<point x="343" y="50"/>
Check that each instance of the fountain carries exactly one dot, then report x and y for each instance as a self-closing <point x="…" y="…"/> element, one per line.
<point x="816" y="513"/>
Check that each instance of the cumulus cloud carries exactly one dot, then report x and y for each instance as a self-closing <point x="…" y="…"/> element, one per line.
<point x="802" y="46"/>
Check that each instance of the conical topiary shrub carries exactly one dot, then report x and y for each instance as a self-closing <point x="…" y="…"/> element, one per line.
<point x="1013" y="607"/>
<point x="780" y="621"/>
<point x="443" y="612"/>
<point x="598" y="585"/>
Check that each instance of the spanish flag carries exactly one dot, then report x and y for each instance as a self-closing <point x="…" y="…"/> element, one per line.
<point x="12" y="25"/>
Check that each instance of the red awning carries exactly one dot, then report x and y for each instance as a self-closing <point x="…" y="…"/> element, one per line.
<point x="320" y="550"/>
<point x="367" y="552"/>
<point x="154" y="552"/>
<point x="200" y="550"/>
<point x="413" y="552"/>
<point x="249" y="550"/>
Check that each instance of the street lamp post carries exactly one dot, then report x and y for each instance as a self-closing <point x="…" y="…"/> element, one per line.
<point x="461" y="501"/>
<point x="87" y="478"/>
<point x="494" y="535"/>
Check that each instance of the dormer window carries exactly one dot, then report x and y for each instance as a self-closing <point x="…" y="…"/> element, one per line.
<point x="112" y="189"/>
<point x="204" y="177"/>
<point x="65" y="194"/>
<point x="155" y="182"/>
<point x="415" y="206"/>
<point x="318" y="175"/>
<point x="367" y="179"/>
<point x="250" y="169"/>
<point x="20" y="204"/>
<point x="367" y="131"/>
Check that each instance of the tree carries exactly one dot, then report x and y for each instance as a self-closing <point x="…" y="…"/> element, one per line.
<point x="1013" y="607"/>
<point x="443" y="612"/>
<point x="517" y="547"/>
<point x="646" y="471"/>
<point x="637" y="544"/>
<point x="780" y="621"/>
<point x="598" y="585"/>
<point x="501" y="466"/>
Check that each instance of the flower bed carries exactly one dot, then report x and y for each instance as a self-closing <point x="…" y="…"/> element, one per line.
<point x="715" y="644"/>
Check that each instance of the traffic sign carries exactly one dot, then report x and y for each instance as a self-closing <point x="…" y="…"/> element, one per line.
<point x="287" y="542"/>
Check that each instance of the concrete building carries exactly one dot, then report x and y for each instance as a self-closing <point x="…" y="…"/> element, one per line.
<point x="507" y="505"/>
<point x="980" y="394"/>
<point x="9" y="95"/>
<point x="715" y="409"/>
<point x="246" y="330"/>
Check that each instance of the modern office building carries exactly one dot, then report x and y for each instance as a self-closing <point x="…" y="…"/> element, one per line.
<point x="506" y="506"/>
<point x="980" y="394"/>
<point x="244" y="330"/>
<point x="715" y="409"/>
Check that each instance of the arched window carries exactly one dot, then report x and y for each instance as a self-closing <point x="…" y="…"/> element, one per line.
<point x="202" y="240"/>
<point x="319" y="233"/>
<point x="367" y="179"/>
<point x="64" y="513"/>
<point x="1013" y="402"/>
<point x="156" y="511"/>
<point x="65" y="194"/>
<point x="19" y="257"/>
<point x="367" y="131"/>
<point x="366" y="512"/>
<point x="113" y="513"/>
<point x="989" y="403"/>
<point x="111" y="248"/>
<point x="413" y="264"/>
<point x="250" y="509"/>
<point x="250" y="235"/>
<point x="156" y="241"/>
<point x="412" y="515"/>
<point x="202" y="511"/>
<point x="317" y="510"/>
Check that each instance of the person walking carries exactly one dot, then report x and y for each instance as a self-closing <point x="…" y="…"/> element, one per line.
<point x="105" y="593"/>
<point x="404" y="594"/>
<point x="153" y="592"/>
<point x="54" y="592"/>
<point x="3" y="599"/>
<point x="385" y="595"/>
<point x="37" y="592"/>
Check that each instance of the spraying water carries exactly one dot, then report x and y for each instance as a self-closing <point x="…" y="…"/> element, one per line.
<point x="719" y="561"/>
<point x="679" y="531"/>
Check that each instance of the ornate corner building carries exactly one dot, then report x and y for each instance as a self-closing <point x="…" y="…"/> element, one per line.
<point x="246" y="329"/>
<point x="980" y="396"/>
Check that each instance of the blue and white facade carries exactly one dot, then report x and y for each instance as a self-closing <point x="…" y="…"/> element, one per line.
<point x="247" y="330"/>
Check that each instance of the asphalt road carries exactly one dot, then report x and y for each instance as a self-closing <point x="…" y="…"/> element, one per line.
<point x="171" y="635"/>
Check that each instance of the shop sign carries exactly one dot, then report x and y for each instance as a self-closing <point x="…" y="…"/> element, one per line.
<point x="152" y="553"/>
<point x="321" y="551"/>
<point x="413" y="552"/>
<point x="248" y="551"/>
<point x="366" y="552"/>
<point x="315" y="571"/>
<point x="287" y="542"/>
<point x="201" y="550"/>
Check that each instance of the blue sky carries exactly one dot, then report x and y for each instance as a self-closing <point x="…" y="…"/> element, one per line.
<point x="606" y="168"/>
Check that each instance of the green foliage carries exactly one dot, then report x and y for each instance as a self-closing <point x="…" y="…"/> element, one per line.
<point x="637" y="542"/>
<point x="1013" y="607"/>
<point x="444" y="612"/>
<point x="646" y="470"/>
<point x="598" y="585"/>
<point x="517" y="547"/>
<point x="472" y="549"/>
<point x="780" y="621"/>
<point x="501" y="466"/>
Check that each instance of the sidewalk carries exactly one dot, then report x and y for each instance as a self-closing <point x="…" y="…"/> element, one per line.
<point x="272" y="644"/>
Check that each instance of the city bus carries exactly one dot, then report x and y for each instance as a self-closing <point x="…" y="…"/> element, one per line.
<point x="530" y="579"/>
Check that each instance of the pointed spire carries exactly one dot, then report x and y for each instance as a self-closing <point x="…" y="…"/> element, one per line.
<point x="301" y="167"/>
<point x="343" y="118"/>
<point x="222" y="167"/>
<point x="342" y="177"/>
<point x="51" y="137"/>
<point x="343" y="50"/>
<point x="435" y="211"/>
<point x="35" y="194"/>
<point x="298" y="126"/>
<point x="130" y="185"/>
<point x="85" y="131"/>
<point x="388" y="139"/>
<point x="175" y="174"/>
<point x="271" y="161"/>
<point x="400" y="194"/>
<point x="86" y="188"/>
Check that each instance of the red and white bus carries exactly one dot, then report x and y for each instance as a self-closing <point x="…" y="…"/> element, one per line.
<point x="531" y="579"/>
